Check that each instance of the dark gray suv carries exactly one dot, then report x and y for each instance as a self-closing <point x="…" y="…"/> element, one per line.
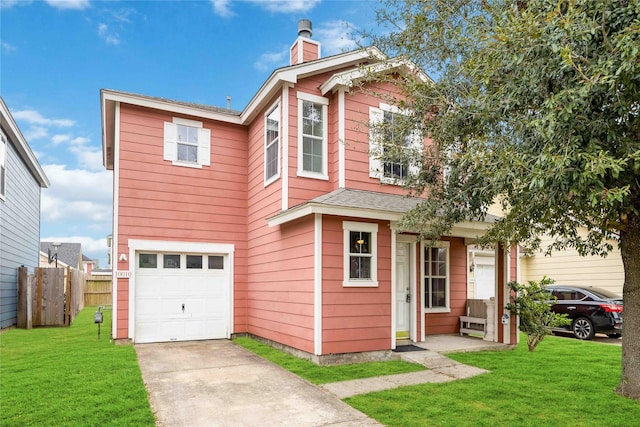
<point x="590" y="309"/>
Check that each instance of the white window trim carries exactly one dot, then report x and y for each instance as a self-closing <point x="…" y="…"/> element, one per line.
<point x="325" y="137"/>
<point x="170" y="143"/>
<point x="270" y="110"/>
<point x="376" y="168"/>
<point x="347" y="227"/>
<point x="447" y="308"/>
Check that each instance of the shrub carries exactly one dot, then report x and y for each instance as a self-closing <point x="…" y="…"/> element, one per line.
<point x="533" y="305"/>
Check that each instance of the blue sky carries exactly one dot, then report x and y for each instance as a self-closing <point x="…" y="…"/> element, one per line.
<point x="55" y="56"/>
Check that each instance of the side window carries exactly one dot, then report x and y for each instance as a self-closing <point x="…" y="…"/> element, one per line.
<point x="312" y="136"/>
<point x="3" y="165"/>
<point x="272" y="145"/>
<point x="360" y="254"/>
<point x="187" y="143"/>
<point x="435" y="276"/>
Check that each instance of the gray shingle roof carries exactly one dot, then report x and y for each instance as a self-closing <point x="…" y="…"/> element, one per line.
<point x="349" y="198"/>
<point x="69" y="253"/>
<point x="360" y="203"/>
<point x="186" y="104"/>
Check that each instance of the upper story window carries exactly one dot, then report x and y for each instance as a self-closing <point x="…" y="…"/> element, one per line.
<point x="312" y="136"/>
<point x="272" y="145"/>
<point x="435" y="276"/>
<point x="360" y="254"/>
<point x="3" y="165"/>
<point x="396" y="167"/>
<point x="392" y="145"/>
<point x="187" y="143"/>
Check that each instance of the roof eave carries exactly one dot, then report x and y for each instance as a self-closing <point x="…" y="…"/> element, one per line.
<point x="314" y="208"/>
<point x="291" y="74"/>
<point x="347" y="78"/>
<point x="466" y="229"/>
<point x="22" y="146"/>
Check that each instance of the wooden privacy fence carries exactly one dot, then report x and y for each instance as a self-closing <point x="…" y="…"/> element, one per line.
<point x="97" y="291"/>
<point x="49" y="296"/>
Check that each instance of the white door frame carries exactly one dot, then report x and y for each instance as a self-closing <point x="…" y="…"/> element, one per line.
<point x="400" y="238"/>
<point x="179" y="247"/>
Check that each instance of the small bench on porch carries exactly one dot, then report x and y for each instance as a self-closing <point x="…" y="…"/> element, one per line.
<point x="475" y="322"/>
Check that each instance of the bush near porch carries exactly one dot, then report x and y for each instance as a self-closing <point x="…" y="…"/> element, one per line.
<point x="68" y="377"/>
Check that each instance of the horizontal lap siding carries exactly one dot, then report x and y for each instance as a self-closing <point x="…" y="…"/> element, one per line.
<point x="19" y="231"/>
<point x="281" y="285"/>
<point x="449" y="323"/>
<point x="567" y="267"/>
<point x="160" y="201"/>
<point x="280" y="274"/>
<point x="354" y="319"/>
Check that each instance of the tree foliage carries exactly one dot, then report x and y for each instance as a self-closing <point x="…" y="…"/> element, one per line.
<point x="534" y="104"/>
<point x="533" y="305"/>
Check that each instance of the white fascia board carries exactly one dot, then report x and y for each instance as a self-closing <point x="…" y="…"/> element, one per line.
<point x="103" y="116"/>
<point x="346" y="78"/>
<point x="469" y="229"/>
<point x="16" y="137"/>
<point x="168" y="106"/>
<point x="313" y="208"/>
<point x="292" y="73"/>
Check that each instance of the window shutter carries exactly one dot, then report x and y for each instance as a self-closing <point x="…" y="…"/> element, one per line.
<point x="204" y="147"/>
<point x="170" y="146"/>
<point x="376" y="117"/>
<point x="417" y="146"/>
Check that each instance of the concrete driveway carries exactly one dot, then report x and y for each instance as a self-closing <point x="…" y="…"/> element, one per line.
<point x="216" y="383"/>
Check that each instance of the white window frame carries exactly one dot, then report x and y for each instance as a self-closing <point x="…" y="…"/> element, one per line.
<point x="171" y="143"/>
<point x="3" y="165"/>
<point x="302" y="98"/>
<point x="423" y="276"/>
<point x="365" y="227"/>
<point x="275" y="108"/>
<point x="376" y="167"/>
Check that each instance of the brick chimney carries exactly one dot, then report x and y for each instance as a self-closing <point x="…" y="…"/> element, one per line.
<point x="304" y="49"/>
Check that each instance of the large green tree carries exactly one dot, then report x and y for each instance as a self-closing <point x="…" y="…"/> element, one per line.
<point x="536" y="104"/>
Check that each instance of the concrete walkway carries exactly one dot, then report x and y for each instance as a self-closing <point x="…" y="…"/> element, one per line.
<point x="440" y="369"/>
<point x="217" y="383"/>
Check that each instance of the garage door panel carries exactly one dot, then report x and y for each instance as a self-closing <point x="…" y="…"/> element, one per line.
<point x="160" y="294"/>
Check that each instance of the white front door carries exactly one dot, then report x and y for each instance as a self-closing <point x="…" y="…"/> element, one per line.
<point x="403" y="290"/>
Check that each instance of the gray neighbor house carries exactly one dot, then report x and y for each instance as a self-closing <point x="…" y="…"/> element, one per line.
<point x="21" y="181"/>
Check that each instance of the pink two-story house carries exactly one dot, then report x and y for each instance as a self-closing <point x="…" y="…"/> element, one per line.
<point x="277" y="220"/>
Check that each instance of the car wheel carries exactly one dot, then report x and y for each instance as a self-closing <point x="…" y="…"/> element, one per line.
<point x="614" y="335"/>
<point x="583" y="328"/>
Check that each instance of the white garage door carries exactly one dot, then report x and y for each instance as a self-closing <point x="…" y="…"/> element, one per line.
<point x="181" y="297"/>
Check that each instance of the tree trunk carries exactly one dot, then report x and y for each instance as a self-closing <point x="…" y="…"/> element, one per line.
<point x="630" y="251"/>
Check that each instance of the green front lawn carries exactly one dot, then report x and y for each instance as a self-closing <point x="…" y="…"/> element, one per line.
<point x="67" y="377"/>
<point x="565" y="382"/>
<point x="326" y="374"/>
